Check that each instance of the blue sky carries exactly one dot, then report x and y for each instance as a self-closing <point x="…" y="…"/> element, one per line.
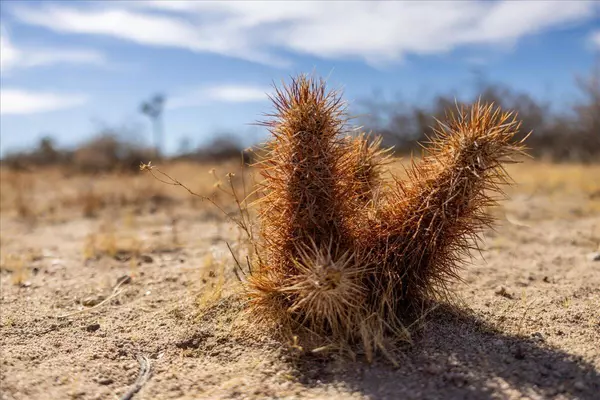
<point x="69" y="67"/>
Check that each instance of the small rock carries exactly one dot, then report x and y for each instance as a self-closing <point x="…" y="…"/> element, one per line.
<point x="77" y="394"/>
<point x="92" y="327"/>
<point x="523" y="283"/>
<point x="579" y="385"/>
<point x="501" y="291"/>
<point x="594" y="256"/>
<point x="537" y="336"/>
<point x="124" y="280"/>
<point x="57" y="262"/>
<point x="105" y="381"/>
<point x="546" y="279"/>
<point x="122" y="256"/>
<point x="25" y="284"/>
<point x="92" y="301"/>
<point x="146" y="259"/>
<point x="519" y="353"/>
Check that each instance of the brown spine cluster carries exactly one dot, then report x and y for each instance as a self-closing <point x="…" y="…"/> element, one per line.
<point x="342" y="252"/>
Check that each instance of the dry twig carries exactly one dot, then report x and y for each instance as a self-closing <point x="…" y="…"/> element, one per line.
<point x="143" y="376"/>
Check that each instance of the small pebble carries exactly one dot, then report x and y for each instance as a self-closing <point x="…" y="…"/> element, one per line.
<point x="124" y="280"/>
<point x="92" y="327"/>
<point x="92" y="301"/>
<point x="122" y="256"/>
<point x="594" y="256"/>
<point x="105" y="381"/>
<point x="537" y="336"/>
<point x="501" y="291"/>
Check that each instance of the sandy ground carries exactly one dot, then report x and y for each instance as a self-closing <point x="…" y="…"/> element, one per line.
<point x="79" y="324"/>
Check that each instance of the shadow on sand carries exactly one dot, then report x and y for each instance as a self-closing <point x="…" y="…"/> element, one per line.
<point x="457" y="356"/>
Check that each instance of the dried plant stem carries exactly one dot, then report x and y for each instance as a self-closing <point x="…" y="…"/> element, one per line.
<point x="143" y="376"/>
<point x="115" y="293"/>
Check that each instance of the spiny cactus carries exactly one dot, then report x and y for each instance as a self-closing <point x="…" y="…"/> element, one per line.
<point x="428" y="225"/>
<point x="307" y="270"/>
<point x="345" y="255"/>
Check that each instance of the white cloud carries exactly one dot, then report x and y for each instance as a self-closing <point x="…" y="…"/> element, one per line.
<point x="258" y="31"/>
<point x="8" y="54"/>
<point x="595" y="39"/>
<point x="148" y="29"/>
<point x="229" y="93"/>
<point x="18" y="101"/>
<point x="12" y="57"/>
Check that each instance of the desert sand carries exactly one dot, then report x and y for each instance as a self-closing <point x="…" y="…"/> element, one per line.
<point x="126" y="281"/>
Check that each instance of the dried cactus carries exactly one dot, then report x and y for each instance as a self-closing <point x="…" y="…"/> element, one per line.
<point x="345" y="255"/>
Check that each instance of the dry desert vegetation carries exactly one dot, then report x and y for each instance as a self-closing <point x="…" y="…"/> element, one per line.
<point x="126" y="285"/>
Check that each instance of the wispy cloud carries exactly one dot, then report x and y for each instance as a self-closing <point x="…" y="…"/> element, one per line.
<point x="18" y="101"/>
<point x="259" y="31"/>
<point x="228" y="93"/>
<point x="132" y="24"/>
<point x="14" y="58"/>
<point x="595" y="39"/>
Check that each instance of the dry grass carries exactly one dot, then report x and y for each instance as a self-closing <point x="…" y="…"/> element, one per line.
<point x="557" y="179"/>
<point x="18" y="194"/>
<point x="19" y="265"/>
<point x="107" y="241"/>
<point x="57" y="194"/>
